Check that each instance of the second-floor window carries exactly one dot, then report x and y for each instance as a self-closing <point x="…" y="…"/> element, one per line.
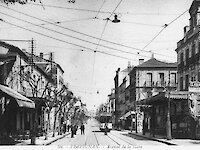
<point x="149" y="79"/>
<point x="186" y="82"/>
<point x="161" y="78"/>
<point x="187" y="56"/>
<point x="181" y="58"/>
<point x="193" y="50"/>
<point x="172" y="79"/>
<point x="181" y="83"/>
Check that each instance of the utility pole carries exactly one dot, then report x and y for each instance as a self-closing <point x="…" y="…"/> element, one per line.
<point x="169" y="135"/>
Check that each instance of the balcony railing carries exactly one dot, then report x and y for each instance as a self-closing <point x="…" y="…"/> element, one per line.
<point x="159" y="84"/>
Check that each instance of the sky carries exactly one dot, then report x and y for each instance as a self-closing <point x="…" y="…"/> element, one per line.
<point x="88" y="46"/>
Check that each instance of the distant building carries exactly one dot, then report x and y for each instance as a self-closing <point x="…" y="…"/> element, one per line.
<point x="122" y="95"/>
<point x="149" y="79"/>
<point x="188" y="58"/>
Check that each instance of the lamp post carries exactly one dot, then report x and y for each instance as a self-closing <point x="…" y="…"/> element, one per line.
<point x="169" y="135"/>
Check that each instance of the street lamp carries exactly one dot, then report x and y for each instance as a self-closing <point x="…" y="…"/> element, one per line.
<point x="169" y="136"/>
<point x="115" y="20"/>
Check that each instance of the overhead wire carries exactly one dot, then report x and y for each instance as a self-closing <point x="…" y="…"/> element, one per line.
<point x="57" y="22"/>
<point x="164" y="27"/>
<point x="111" y="48"/>
<point x="65" y="41"/>
<point x="104" y="12"/>
<point x="74" y="30"/>
<point x="81" y="32"/>
<point x="100" y="8"/>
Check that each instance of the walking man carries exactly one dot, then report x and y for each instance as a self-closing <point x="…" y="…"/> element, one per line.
<point x="82" y="129"/>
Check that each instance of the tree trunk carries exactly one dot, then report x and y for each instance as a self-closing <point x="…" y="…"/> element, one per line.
<point x="47" y="126"/>
<point x="34" y="128"/>
<point x="54" y="125"/>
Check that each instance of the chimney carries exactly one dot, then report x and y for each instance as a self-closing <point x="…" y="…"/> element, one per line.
<point x="41" y="55"/>
<point x="141" y="61"/>
<point x="186" y="29"/>
<point x="23" y="50"/>
<point x="129" y="64"/>
<point x="152" y="55"/>
<point x="51" y="57"/>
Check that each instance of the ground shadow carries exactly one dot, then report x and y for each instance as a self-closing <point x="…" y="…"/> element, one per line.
<point x="136" y="137"/>
<point x="195" y="142"/>
<point x="97" y="131"/>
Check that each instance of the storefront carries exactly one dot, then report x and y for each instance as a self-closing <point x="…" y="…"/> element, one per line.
<point x="16" y="111"/>
<point x="183" y="125"/>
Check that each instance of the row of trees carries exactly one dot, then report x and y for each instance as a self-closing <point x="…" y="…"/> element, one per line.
<point x="46" y="91"/>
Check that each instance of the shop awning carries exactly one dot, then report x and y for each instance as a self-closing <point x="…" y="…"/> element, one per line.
<point x="163" y="97"/>
<point x="177" y="95"/>
<point x="127" y="115"/>
<point x="22" y="101"/>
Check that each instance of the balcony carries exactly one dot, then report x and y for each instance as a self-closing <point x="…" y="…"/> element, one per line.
<point x="148" y="84"/>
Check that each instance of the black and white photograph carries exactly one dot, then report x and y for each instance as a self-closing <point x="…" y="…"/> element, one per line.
<point x="99" y="74"/>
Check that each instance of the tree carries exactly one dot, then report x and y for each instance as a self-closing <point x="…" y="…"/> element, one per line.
<point x="60" y="99"/>
<point x="32" y="84"/>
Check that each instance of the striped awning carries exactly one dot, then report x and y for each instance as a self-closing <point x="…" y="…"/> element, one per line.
<point x="177" y="95"/>
<point x="22" y="101"/>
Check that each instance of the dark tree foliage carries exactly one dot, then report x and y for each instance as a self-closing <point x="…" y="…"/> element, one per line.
<point x="26" y="1"/>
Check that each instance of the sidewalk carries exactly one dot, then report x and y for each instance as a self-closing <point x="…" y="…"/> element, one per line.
<point x="41" y="140"/>
<point x="160" y="138"/>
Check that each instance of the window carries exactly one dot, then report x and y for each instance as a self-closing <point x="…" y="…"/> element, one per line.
<point x="181" y="83"/>
<point x="186" y="82"/>
<point x="161" y="78"/>
<point x="193" y="50"/>
<point x="181" y="58"/>
<point x="149" y="79"/>
<point x="187" y="56"/>
<point x="173" y="79"/>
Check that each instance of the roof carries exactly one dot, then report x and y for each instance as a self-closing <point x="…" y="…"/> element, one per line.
<point x="194" y="5"/>
<point x="48" y="61"/>
<point x="164" y="96"/>
<point x="154" y="63"/>
<point x="14" y="49"/>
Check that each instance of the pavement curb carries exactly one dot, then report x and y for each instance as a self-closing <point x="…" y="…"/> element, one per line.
<point x="50" y="142"/>
<point x="154" y="139"/>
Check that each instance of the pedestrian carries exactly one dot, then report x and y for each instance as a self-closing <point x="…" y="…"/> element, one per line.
<point x="106" y="129"/>
<point x="68" y="125"/>
<point x="64" y="127"/>
<point x="72" y="131"/>
<point x="82" y="129"/>
<point x="75" y="129"/>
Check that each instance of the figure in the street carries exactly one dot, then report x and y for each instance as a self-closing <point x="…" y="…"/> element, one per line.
<point x="68" y="125"/>
<point x="106" y="129"/>
<point x="82" y="129"/>
<point x="72" y="131"/>
<point x="75" y="129"/>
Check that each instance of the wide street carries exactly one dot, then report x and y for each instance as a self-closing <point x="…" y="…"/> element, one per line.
<point x="93" y="137"/>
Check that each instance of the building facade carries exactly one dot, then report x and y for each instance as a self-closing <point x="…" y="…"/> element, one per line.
<point x="147" y="80"/>
<point x="188" y="58"/>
